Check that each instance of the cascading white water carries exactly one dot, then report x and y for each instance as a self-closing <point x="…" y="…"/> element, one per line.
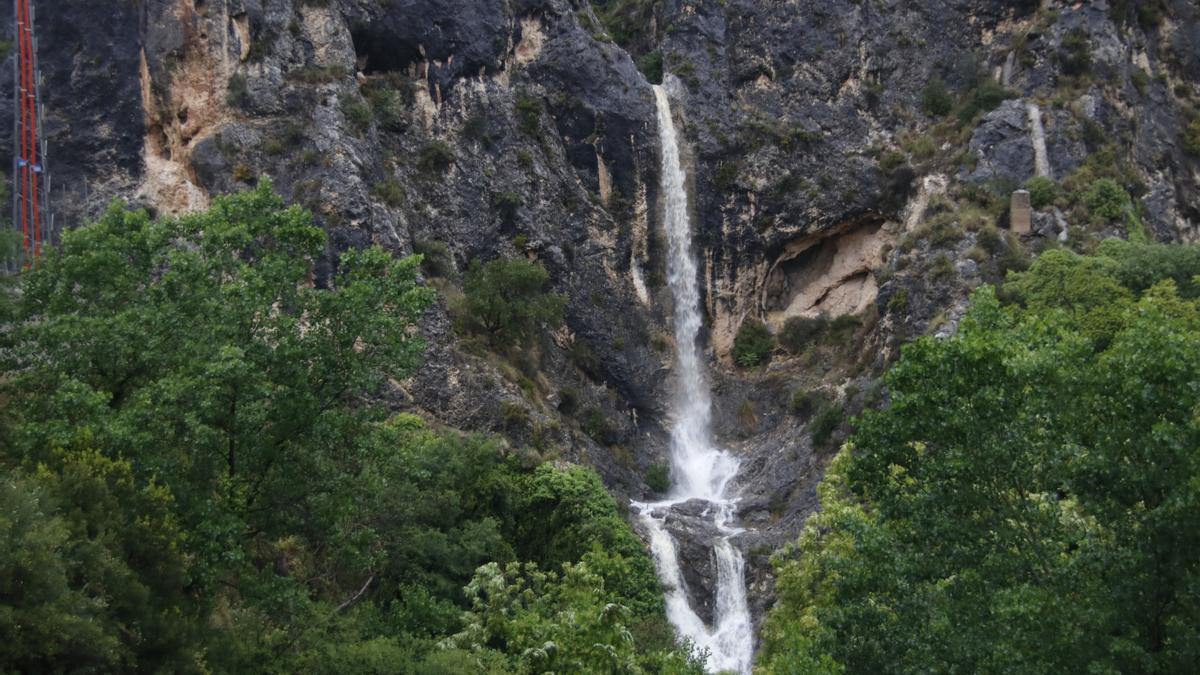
<point x="699" y="469"/>
<point x="1037" y="134"/>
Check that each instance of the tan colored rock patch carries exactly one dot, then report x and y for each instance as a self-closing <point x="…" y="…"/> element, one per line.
<point x="828" y="274"/>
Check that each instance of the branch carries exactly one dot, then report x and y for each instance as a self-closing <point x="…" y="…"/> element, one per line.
<point x="357" y="595"/>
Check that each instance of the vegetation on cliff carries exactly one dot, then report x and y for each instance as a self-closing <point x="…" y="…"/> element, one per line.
<point x="196" y="478"/>
<point x="1026" y="503"/>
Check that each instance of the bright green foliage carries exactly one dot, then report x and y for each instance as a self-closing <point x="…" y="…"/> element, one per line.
<point x="194" y="480"/>
<point x="508" y="299"/>
<point x="1025" y="503"/>
<point x="548" y="622"/>
<point x="1082" y="287"/>
<point x="753" y="344"/>
<point x="1106" y="200"/>
<point x="1043" y="191"/>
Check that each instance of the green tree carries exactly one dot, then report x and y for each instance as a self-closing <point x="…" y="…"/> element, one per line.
<point x="1106" y="200"/>
<point x="196" y="478"/>
<point x="196" y="351"/>
<point x="551" y="622"/>
<point x="507" y="299"/>
<point x="1019" y="506"/>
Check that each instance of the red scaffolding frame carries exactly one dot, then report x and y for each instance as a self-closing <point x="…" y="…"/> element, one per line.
<point x="29" y="149"/>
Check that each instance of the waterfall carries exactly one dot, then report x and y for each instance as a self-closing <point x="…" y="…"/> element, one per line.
<point x="699" y="470"/>
<point x="1037" y="133"/>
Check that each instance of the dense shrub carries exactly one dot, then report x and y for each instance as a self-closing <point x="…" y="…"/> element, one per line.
<point x="388" y="108"/>
<point x="529" y="113"/>
<point x="935" y="100"/>
<point x="507" y="204"/>
<point x="436" y="156"/>
<point x="1075" y="55"/>
<point x="804" y="403"/>
<point x="753" y="344"/>
<point x="825" y="422"/>
<point x="658" y="478"/>
<point x="356" y="111"/>
<point x="651" y="65"/>
<point x="507" y="300"/>
<point x="436" y="259"/>
<point x="1017" y="506"/>
<point x="197" y="477"/>
<point x="389" y="191"/>
<point x="1043" y="191"/>
<point x="982" y="99"/>
<point x="799" y="332"/>
<point x="1106" y="201"/>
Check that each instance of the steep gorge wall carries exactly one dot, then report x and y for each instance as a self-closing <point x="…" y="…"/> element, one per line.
<point x="470" y="129"/>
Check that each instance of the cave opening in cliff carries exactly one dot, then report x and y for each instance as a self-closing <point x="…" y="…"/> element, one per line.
<point x="379" y="53"/>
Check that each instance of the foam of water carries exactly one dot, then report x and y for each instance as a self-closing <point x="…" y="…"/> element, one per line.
<point x="699" y="469"/>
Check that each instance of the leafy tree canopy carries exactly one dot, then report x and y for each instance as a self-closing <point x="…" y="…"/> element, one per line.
<point x="195" y="477"/>
<point x="1026" y="504"/>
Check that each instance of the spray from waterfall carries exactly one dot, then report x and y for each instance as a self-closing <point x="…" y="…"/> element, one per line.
<point x="699" y="469"/>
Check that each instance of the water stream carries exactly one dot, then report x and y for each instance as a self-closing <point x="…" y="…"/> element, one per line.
<point x="1037" y="134"/>
<point x="699" y="469"/>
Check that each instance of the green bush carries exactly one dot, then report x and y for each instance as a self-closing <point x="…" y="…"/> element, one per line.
<point x="935" y="100"/>
<point x="507" y="300"/>
<point x="436" y="156"/>
<point x="1010" y="452"/>
<point x="514" y="415"/>
<point x="753" y="344"/>
<point x="237" y="94"/>
<point x="1106" y="201"/>
<point x="799" y="332"/>
<point x="356" y="111"/>
<point x="658" y="478"/>
<point x="217" y="499"/>
<point x="436" y="259"/>
<point x="982" y="99"/>
<point x="529" y="113"/>
<point x="1075" y="56"/>
<point x="388" y="108"/>
<point x="507" y="205"/>
<point x="1191" y="137"/>
<point x="596" y="426"/>
<point x="824" y="423"/>
<point x="891" y="160"/>
<point x="389" y="191"/>
<point x="651" y="65"/>
<point x="804" y="403"/>
<point x="1043" y="191"/>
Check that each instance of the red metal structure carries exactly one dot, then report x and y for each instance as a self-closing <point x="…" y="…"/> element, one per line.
<point x="29" y="164"/>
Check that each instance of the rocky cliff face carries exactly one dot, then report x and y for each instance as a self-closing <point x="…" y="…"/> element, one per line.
<point x="823" y="185"/>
